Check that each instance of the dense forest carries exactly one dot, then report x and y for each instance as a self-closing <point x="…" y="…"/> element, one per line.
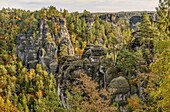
<point x="55" y="61"/>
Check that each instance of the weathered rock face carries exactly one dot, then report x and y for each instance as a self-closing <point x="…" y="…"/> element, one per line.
<point x="109" y="18"/>
<point x="43" y="48"/>
<point x="65" y="46"/>
<point x="88" y="63"/>
<point x="102" y="70"/>
<point x="27" y="50"/>
<point x="93" y="53"/>
<point x="134" y="22"/>
<point x="89" y="20"/>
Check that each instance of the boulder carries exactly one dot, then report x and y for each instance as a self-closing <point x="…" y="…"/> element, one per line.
<point x="120" y="84"/>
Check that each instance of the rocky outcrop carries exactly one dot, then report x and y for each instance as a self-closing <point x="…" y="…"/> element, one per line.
<point x="43" y="48"/>
<point x="27" y="50"/>
<point x="102" y="70"/>
<point x="89" y="20"/>
<point x="134" y="22"/>
<point x="94" y="52"/>
<point x="65" y="46"/>
<point x="112" y="18"/>
<point x="93" y="62"/>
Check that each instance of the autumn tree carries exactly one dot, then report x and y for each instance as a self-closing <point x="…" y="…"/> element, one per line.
<point x="87" y="97"/>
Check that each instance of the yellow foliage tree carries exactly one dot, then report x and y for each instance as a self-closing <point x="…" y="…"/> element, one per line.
<point x="87" y="98"/>
<point x="7" y="106"/>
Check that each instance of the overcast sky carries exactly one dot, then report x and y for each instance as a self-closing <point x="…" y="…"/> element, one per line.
<point x="80" y="5"/>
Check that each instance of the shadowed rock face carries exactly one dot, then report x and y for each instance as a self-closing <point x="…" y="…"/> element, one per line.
<point x="134" y="21"/>
<point x="102" y="70"/>
<point x="94" y="63"/>
<point x="27" y="50"/>
<point x="65" y="43"/>
<point x="43" y="48"/>
<point x="94" y="52"/>
<point x="109" y="18"/>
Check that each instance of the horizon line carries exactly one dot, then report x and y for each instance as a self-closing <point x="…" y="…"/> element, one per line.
<point x="61" y="9"/>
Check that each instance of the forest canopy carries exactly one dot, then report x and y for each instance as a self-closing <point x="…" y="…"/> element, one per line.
<point x="56" y="61"/>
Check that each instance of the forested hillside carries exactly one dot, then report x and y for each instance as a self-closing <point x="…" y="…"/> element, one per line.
<point x="57" y="61"/>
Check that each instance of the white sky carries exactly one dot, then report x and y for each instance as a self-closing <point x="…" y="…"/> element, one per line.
<point x="80" y="5"/>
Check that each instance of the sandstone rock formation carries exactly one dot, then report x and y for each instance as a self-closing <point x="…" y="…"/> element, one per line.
<point x="65" y="46"/>
<point x="56" y="54"/>
<point x="43" y="48"/>
<point x="102" y="70"/>
<point x="134" y="22"/>
<point x="112" y="18"/>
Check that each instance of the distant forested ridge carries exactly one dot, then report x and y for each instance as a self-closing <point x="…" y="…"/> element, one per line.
<point x="57" y="61"/>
